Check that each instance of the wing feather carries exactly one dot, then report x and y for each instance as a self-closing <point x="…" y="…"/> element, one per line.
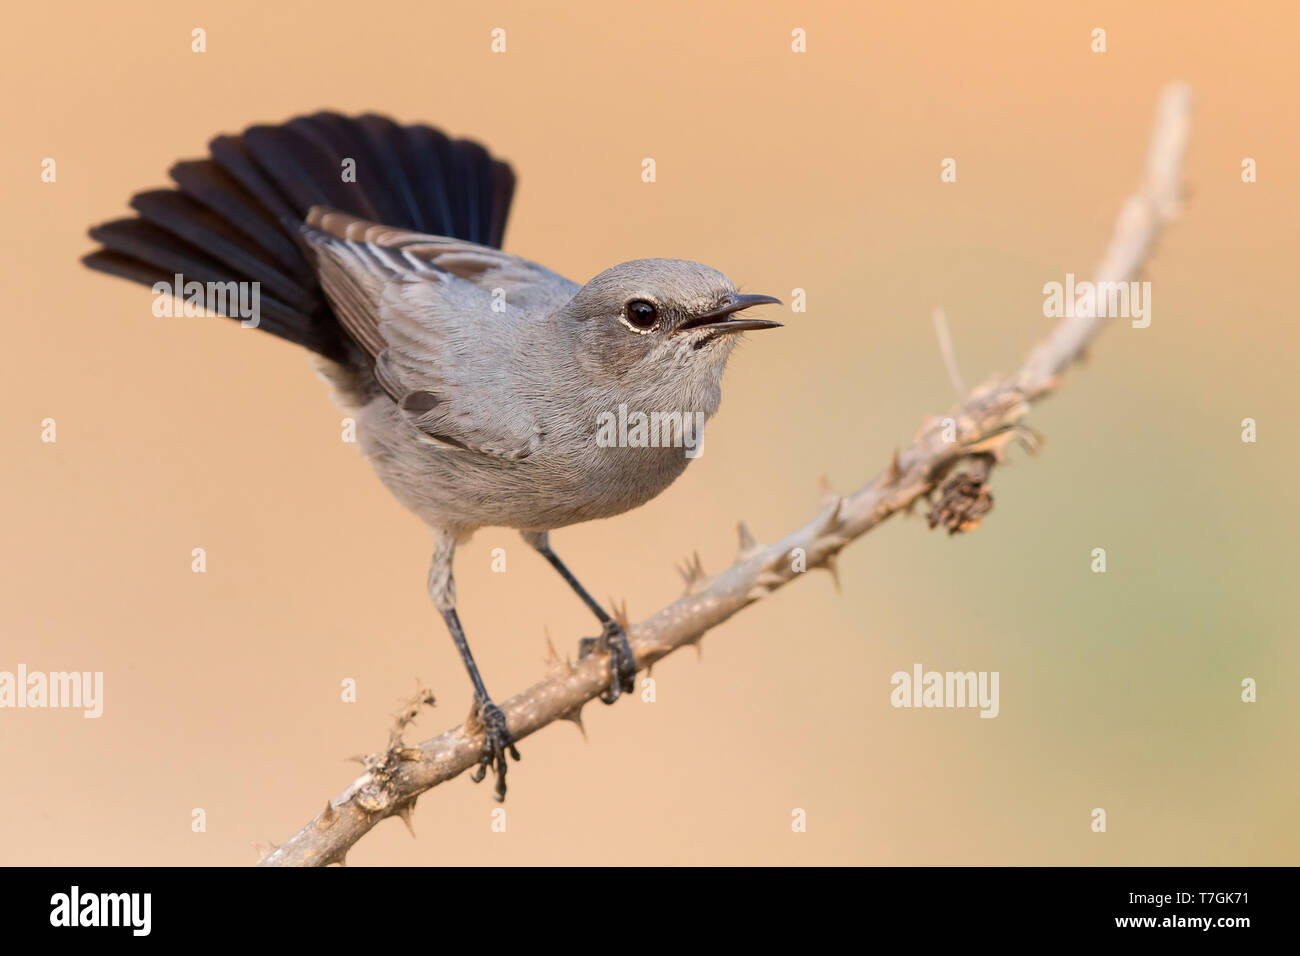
<point x="436" y="314"/>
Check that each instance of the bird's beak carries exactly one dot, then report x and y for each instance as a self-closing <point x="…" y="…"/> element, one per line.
<point x="720" y="319"/>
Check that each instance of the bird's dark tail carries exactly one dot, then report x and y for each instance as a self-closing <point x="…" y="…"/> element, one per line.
<point x="231" y="216"/>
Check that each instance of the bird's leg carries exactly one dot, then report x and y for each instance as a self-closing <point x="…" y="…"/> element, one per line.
<point x="497" y="741"/>
<point x="622" y="661"/>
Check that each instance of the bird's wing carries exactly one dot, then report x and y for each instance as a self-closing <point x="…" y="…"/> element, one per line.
<point x="439" y="316"/>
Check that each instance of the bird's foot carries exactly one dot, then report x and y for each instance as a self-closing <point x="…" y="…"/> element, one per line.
<point x="497" y="742"/>
<point x="622" y="661"/>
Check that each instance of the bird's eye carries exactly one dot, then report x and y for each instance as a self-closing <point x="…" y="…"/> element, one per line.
<point x="641" y="315"/>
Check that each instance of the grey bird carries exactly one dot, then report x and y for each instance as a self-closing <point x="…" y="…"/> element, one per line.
<point x="479" y="380"/>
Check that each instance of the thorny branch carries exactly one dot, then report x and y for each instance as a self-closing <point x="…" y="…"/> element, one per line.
<point x="953" y="456"/>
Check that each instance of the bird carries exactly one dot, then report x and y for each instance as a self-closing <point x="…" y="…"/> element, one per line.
<point x="480" y="382"/>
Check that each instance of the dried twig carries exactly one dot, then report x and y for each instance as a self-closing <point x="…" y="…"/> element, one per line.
<point x="949" y="356"/>
<point x="954" y="455"/>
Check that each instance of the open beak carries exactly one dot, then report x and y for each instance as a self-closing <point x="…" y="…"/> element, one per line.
<point x="720" y="319"/>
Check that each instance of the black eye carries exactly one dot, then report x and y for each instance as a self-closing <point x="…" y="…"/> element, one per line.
<point x="641" y="314"/>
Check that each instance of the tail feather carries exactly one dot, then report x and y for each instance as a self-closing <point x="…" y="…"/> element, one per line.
<point x="276" y="317"/>
<point x="300" y="173"/>
<point x="348" y="141"/>
<point x="388" y="138"/>
<point x="176" y="213"/>
<point x="233" y="216"/>
<point x="233" y="155"/>
<point x="210" y="185"/>
<point x="429" y="155"/>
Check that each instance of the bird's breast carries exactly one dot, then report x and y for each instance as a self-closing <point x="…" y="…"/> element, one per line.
<point x="628" y="458"/>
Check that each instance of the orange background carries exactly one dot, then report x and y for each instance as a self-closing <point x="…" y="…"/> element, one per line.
<point x="817" y="171"/>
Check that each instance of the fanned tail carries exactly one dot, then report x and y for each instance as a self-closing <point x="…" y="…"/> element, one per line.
<point x="230" y="217"/>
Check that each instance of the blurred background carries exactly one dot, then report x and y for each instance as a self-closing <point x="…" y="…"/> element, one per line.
<point x="817" y="171"/>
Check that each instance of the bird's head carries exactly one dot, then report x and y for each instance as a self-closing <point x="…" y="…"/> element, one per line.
<point x="661" y="324"/>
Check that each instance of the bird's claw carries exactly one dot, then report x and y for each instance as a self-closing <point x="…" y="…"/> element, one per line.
<point x="497" y="742"/>
<point x="622" y="661"/>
